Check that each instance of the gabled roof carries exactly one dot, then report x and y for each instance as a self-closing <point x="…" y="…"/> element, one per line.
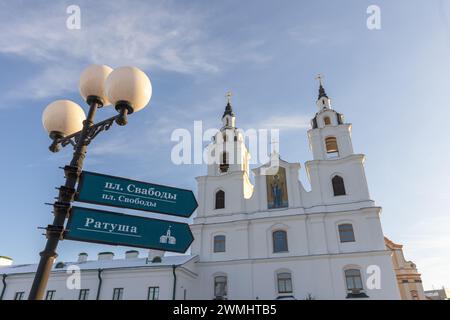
<point x="282" y="163"/>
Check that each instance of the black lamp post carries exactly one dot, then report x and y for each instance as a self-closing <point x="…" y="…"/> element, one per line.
<point x="129" y="90"/>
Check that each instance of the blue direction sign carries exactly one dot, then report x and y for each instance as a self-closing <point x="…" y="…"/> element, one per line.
<point x="112" y="228"/>
<point x="125" y="193"/>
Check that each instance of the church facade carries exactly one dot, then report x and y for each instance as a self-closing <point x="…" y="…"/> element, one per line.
<point x="274" y="239"/>
<point x="266" y="239"/>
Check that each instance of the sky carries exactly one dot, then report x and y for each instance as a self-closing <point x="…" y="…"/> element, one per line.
<point x="392" y="84"/>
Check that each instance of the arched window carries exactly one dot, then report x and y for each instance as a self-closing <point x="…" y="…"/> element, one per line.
<point x="327" y="121"/>
<point x="346" y="233"/>
<point x="332" y="147"/>
<point x="279" y="238"/>
<point x="353" y="281"/>
<point x="219" y="243"/>
<point x="220" y="199"/>
<point x="284" y="281"/>
<point x="338" y="186"/>
<point x="220" y="287"/>
<point x="224" y="162"/>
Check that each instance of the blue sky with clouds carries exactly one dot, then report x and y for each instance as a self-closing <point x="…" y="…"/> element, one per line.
<point x="392" y="84"/>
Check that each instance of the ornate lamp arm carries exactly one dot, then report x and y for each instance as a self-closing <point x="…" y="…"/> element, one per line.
<point x="74" y="138"/>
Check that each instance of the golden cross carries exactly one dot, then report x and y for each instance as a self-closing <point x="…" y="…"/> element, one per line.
<point x="319" y="77"/>
<point x="228" y="95"/>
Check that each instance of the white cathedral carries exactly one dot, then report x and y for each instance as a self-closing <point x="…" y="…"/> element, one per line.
<point x="267" y="240"/>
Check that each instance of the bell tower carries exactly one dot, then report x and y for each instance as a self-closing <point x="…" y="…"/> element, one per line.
<point x="226" y="185"/>
<point x="330" y="137"/>
<point x="227" y="150"/>
<point x="336" y="172"/>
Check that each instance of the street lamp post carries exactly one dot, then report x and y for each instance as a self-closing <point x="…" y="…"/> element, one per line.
<point x="129" y="90"/>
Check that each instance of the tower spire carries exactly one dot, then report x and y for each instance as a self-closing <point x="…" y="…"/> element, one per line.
<point x="322" y="92"/>
<point x="228" y="108"/>
<point x="323" y="102"/>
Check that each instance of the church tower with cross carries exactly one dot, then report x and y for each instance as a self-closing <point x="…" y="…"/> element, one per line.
<point x="260" y="234"/>
<point x="333" y="156"/>
<point x="228" y="174"/>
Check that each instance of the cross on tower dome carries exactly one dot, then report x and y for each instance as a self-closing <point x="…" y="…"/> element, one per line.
<point x="228" y="108"/>
<point x="322" y="92"/>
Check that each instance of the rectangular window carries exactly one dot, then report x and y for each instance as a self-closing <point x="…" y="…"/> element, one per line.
<point x="153" y="293"/>
<point x="220" y="287"/>
<point x="279" y="241"/>
<point x="353" y="280"/>
<point x="346" y="233"/>
<point x="19" y="295"/>
<point x="219" y="243"/>
<point x="84" y="294"/>
<point x="284" y="283"/>
<point x="118" y="294"/>
<point x="50" y="295"/>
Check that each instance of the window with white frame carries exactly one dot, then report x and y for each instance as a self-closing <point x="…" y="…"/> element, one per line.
<point x="50" y="295"/>
<point x="346" y="233"/>
<point x="117" y="294"/>
<point x="220" y="287"/>
<point x="19" y="295"/>
<point x="279" y="238"/>
<point x="153" y="293"/>
<point x="353" y="280"/>
<point x="219" y="243"/>
<point x="284" y="282"/>
<point x="84" y="294"/>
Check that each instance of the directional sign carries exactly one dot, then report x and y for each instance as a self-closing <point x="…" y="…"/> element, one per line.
<point x="106" y="227"/>
<point x="125" y="193"/>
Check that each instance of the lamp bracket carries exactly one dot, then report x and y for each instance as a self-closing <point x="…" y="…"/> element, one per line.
<point x="74" y="138"/>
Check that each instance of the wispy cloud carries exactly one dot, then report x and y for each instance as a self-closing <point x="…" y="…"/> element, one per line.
<point x="315" y="34"/>
<point x="157" y="35"/>
<point x="284" y="122"/>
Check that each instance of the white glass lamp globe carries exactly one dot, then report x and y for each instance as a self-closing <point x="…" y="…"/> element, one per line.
<point x="129" y="84"/>
<point x="63" y="117"/>
<point x="92" y="82"/>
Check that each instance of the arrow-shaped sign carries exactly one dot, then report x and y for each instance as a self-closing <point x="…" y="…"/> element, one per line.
<point x="112" y="228"/>
<point x="125" y="193"/>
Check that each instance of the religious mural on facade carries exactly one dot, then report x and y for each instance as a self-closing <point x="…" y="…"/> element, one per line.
<point x="277" y="196"/>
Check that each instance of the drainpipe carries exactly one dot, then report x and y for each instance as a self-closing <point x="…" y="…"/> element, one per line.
<point x="174" y="282"/>
<point x="4" y="285"/>
<point x="100" y="280"/>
